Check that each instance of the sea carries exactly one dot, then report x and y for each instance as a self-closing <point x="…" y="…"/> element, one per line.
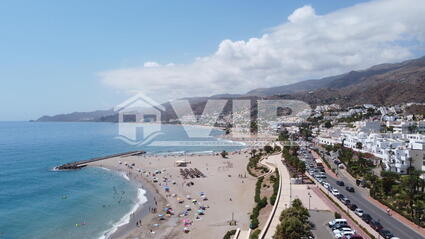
<point x="37" y="201"/>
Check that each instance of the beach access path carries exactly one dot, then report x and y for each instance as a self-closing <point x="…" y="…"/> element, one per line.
<point x="284" y="199"/>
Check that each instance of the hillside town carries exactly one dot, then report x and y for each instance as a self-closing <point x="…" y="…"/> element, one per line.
<point x="388" y="133"/>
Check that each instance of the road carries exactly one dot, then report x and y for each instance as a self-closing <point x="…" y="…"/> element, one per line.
<point x="396" y="227"/>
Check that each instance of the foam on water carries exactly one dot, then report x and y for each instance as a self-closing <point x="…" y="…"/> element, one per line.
<point x="141" y="199"/>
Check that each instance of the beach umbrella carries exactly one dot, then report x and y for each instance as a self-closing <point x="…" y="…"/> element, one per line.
<point x="186" y="229"/>
<point x="201" y="212"/>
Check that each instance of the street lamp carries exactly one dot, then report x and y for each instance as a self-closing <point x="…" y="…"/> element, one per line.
<point x="309" y="196"/>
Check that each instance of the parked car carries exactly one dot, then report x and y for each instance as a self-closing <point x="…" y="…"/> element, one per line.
<point x="352" y="207"/>
<point x="339" y="226"/>
<point x="339" y="196"/>
<point x="344" y="234"/>
<point x="326" y="185"/>
<point x="335" y="192"/>
<point x="359" y="212"/>
<point x="355" y="236"/>
<point x="345" y="201"/>
<point x="339" y="221"/>
<point x="367" y="218"/>
<point x="341" y="230"/>
<point x="386" y="234"/>
<point x="376" y="225"/>
<point x="350" y="189"/>
<point x="340" y="183"/>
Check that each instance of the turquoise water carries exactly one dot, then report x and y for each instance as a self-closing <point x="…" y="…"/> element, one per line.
<point x="37" y="202"/>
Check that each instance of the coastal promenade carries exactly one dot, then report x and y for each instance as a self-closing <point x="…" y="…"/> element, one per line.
<point x="284" y="195"/>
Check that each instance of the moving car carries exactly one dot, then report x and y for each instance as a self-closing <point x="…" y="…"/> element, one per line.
<point x="340" y="183"/>
<point x="350" y="189"/>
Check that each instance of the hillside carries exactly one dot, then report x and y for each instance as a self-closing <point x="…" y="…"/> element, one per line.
<point x="384" y="84"/>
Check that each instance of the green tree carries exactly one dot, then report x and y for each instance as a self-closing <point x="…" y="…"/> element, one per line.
<point x="328" y="124"/>
<point x="268" y="149"/>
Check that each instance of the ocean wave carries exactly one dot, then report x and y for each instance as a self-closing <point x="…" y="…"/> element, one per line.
<point x="201" y="152"/>
<point x="124" y="175"/>
<point x="141" y="199"/>
<point x="166" y="153"/>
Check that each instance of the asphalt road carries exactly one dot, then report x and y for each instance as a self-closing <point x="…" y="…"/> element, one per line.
<point x="392" y="224"/>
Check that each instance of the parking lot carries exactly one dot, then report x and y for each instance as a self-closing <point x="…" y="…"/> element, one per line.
<point x="378" y="218"/>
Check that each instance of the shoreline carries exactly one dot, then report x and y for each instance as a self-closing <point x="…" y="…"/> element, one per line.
<point x="140" y="211"/>
<point x="157" y="198"/>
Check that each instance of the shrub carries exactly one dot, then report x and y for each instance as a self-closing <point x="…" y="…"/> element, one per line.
<point x="229" y="234"/>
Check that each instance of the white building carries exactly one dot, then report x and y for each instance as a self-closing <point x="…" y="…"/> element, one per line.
<point x="398" y="151"/>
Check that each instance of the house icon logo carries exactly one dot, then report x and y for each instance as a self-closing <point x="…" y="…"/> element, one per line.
<point x="139" y="120"/>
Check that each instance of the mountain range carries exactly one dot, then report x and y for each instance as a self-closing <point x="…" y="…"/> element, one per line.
<point x="384" y="84"/>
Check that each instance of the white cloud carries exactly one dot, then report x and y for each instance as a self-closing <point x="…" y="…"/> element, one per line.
<point x="301" y="14"/>
<point x="307" y="46"/>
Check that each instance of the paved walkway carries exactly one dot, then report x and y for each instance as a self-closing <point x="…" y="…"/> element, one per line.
<point x="244" y="234"/>
<point x="285" y="195"/>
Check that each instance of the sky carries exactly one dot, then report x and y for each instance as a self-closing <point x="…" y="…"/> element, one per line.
<point x="65" y="56"/>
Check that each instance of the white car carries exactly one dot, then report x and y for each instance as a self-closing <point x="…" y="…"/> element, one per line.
<point x="337" y="221"/>
<point x="342" y="230"/>
<point x="344" y="234"/>
<point x="359" y="212"/>
<point x="326" y="185"/>
<point x="335" y="192"/>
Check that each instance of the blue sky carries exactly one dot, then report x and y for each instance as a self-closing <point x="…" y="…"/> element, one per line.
<point x="52" y="51"/>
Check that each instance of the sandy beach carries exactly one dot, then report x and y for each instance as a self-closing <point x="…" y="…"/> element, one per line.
<point x="203" y="206"/>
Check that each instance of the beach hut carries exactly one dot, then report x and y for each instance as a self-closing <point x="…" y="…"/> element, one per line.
<point x="180" y="163"/>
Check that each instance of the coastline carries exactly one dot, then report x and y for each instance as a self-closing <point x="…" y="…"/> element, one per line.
<point x="152" y="226"/>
